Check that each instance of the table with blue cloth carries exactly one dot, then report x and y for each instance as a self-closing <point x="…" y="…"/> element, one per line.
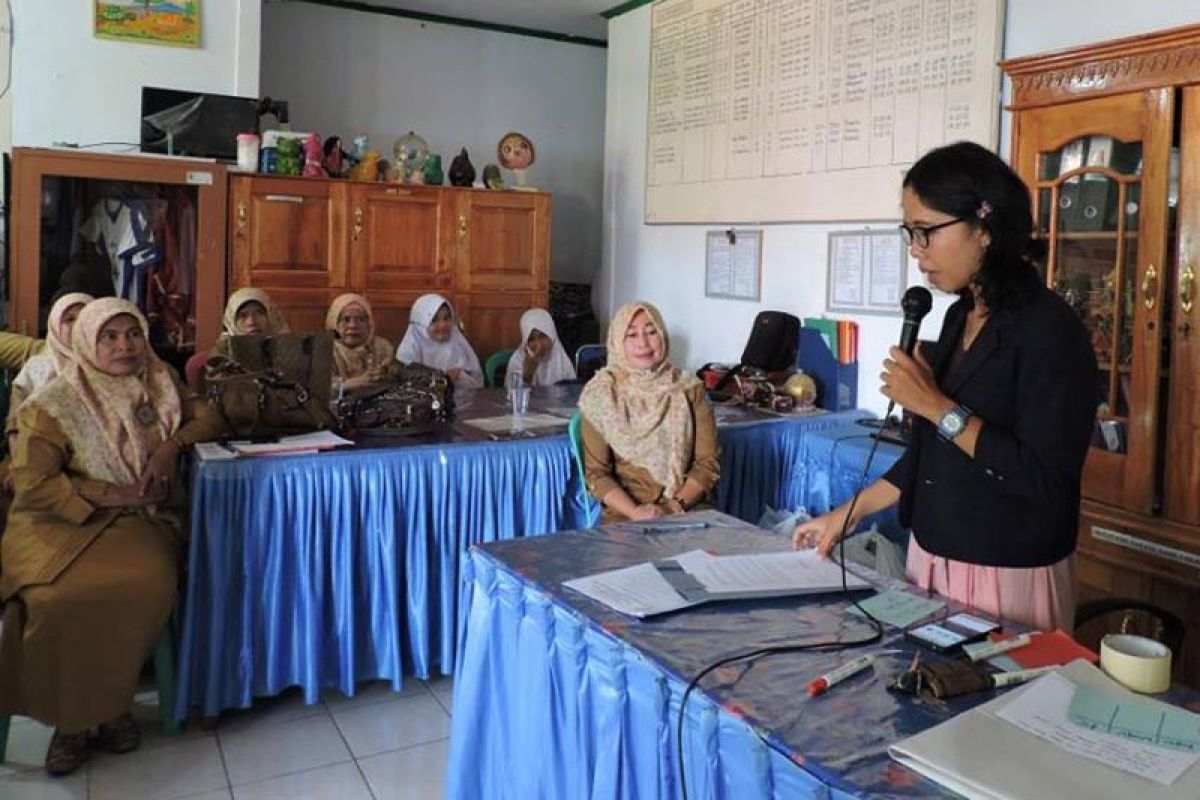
<point x="323" y="571"/>
<point x="559" y="696"/>
<point x="834" y="459"/>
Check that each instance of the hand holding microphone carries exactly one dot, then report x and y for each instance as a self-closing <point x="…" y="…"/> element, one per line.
<point x="907" y="379"/>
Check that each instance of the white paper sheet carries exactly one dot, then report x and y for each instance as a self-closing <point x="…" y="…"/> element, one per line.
<point x="1042" y="711"/>
<point x="639" y="590"/>
<point x="292" y="445"/>
<point x="211" y="451"/>
<point x="982" y="756"/>
<point x="510" y="422"/>
<point x="798" y="571"/>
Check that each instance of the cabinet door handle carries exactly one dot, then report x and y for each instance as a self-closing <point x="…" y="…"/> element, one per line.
<point x="462" y="226"/>
<point x="1148" y="287"/>
<point x="284" y="198"/>
<point x="1187" y="289"/>
<point x="358" y="223"/>
<point x="243" y="217"/>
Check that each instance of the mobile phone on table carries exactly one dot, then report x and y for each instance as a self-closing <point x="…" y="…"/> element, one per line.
<point x="948" y="635"/>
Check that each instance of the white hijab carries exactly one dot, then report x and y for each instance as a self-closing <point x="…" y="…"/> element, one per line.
<point x="418" y="347"/>
<point x="556" y="366"/>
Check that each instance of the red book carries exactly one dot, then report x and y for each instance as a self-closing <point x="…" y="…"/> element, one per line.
<point x="1048" y="649"/>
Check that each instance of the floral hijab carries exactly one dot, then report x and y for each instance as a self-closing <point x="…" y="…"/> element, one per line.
<point x="275" y="321"/>
<point x="643" y="414"/>
<point x="349" y="362"/>
<point x="45" y="366"/>
<point x="114" y="423"/>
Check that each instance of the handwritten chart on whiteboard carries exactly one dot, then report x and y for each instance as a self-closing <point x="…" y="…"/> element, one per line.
<point x="810" y="110"/>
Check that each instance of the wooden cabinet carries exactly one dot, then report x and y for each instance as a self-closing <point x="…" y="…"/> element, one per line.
<point x="488" y="252"/>
<point x="401" y="238"/>
<point x="150" y="229"/>
<point x="1108" y="139"/>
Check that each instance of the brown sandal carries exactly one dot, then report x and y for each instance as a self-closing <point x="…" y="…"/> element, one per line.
<point x="67" y="752"/>
<point x="121" y="735"/>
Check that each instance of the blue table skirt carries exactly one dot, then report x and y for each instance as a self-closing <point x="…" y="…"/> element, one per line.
<point x="834" y="459"/>
<point x="328" y="570"/>
<point x="558" y="696"/>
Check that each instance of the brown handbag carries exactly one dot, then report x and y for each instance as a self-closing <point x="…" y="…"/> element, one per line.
<point x="273" y="385"/>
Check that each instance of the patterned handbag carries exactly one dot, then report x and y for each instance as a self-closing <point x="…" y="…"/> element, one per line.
<point x="413" y="399"/>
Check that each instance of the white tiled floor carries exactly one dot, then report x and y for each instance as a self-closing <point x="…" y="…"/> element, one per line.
<point x="378" y="744"/>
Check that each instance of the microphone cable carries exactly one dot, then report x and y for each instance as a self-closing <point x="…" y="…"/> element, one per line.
<point x="764" y="652"/>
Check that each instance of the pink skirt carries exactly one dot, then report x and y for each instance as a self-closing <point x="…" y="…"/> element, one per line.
<point x="1043" y="597"/>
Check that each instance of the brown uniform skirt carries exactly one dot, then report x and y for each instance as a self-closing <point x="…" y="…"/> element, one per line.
<point x="71" y="651"/>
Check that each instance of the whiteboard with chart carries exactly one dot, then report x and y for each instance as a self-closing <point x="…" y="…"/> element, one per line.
<point x="810" y="110"/>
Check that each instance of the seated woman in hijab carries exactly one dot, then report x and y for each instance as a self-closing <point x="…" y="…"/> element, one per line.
<point x="433" y="339"/>
<point x="360" y="358"/>
<point x="46" y="365"/>
<point x="248" y="311"/>
<point x="541" y="359"/>
<point x="93" y="547"/>
<point x="649" y="435"/>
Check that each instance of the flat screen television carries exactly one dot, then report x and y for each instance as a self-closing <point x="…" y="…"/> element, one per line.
<point x="195" y="123"/>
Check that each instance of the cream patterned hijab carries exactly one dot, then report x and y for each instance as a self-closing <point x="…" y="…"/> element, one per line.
<point x="275" y="321"/>
<point x="643" y="414"/>
<point x="45" y="366"/>
<point x="113" y="423"/>
<point x="349" y="362"/>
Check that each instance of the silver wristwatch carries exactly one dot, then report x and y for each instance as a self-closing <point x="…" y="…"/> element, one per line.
<point x="953" y="422"/>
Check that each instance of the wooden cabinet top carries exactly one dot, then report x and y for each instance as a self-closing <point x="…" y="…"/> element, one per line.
<point x="241" y="176"/>
<point x="1135" y="63"/>
<point x="132" y="166"/>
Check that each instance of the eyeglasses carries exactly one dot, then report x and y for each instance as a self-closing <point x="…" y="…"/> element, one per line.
<point x="919" y="234"/>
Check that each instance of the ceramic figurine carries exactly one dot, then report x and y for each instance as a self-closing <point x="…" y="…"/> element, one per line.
<point x="462" y="172"/>
<point x="361" y="145"/>
<point x="366" y="170"/>
<point x="312" y="157"/>
<point x="288" y="158"/>
<point x="433" y="170"/>
<point x="414" y="150"/>
<point x="515" y="152"/>
<point x="335" y="158"/>
<point x="382" y="170"/>
<point x="491" y="177"/>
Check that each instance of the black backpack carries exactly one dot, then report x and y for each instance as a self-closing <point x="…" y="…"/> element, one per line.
<point x="772" y="348"/>
<point x="773" y="341"/>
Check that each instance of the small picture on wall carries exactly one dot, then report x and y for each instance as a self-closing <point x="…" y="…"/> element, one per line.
<point x="173" y="22"/>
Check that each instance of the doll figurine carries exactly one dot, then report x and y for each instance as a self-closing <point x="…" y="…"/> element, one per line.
<point x="312" y="157"/>
<point x="335" y="158"/>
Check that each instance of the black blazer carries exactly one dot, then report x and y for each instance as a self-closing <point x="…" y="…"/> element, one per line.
<point x="1031" y="378"/>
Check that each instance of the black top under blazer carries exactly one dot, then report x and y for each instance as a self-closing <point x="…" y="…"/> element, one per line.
<point x="1031" y="378"/>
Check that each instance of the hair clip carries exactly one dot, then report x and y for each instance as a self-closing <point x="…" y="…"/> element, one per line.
<point x="984" y="209"/>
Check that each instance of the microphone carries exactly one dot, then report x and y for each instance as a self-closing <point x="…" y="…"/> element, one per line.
<point x="916" y="304"/>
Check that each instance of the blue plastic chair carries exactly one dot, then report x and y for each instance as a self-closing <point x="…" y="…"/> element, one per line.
<point x="575" y="434"/>
<point x="588" y="359"/>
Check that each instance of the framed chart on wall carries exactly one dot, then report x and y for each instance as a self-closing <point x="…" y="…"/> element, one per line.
<point x="810" y="110"/>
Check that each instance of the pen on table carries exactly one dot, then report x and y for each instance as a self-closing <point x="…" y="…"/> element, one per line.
<point x="833" y="677"/>
<point x="979" y="652"/>
<point x="1001" y="679"/>
<point x="669" y="527"/>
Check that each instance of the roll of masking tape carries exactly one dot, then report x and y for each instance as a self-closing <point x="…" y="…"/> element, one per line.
<point x="1136" y="662"/>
